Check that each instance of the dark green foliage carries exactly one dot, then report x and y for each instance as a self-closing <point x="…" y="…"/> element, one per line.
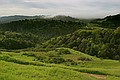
<point x="44" y="28"/>
<point x="108" y="22"/>
<point x="65" y="18"/>
<point x="17" y="51"/>
<point x="7" y="19"/>
<point x="31" y="33"/>
<point x="47" y="57"/>
<point x="13" y="40"/>
<point x="111" y="21"/>
<point x="70" y="62"/>
<point x="0" y="52"/>
<point x="103" y="43"/>
<point x="62" y="51"/>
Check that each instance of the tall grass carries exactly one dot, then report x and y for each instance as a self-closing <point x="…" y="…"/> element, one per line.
<point x="110" y="68"/>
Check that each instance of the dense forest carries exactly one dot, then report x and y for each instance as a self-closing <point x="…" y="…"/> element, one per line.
<point x="62" y="31"/>
<point x="103" y="43"/>
<point x="13" y="40"/>
<point x="44" y="28"/>
<point x="108" y="22"/>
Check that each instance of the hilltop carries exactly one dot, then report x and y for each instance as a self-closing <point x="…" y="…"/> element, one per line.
<point x="65" y="18"/>
<point x="6" y="19"/>
<point x="112" y="21"/>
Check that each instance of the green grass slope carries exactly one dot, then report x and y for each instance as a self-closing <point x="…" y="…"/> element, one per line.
<point x="47" y="65"/>
<point x="16" y="66"/>
<point x="12" y="71"/>
<point x="63" y="56"/>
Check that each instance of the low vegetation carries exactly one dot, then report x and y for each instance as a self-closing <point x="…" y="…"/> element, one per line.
<point x="60" y="48"/>
<point x="11" y="64"/>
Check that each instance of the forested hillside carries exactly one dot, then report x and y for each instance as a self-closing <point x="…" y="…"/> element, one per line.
<point x="64" y="18"/>
<point x="44" y="28"/>
<point x="108" y="22"/>
<point x="60" y="48"/>
<point x="104" y="43"/>
<point x="13" y="40"/>
<point x="50" y="34"/>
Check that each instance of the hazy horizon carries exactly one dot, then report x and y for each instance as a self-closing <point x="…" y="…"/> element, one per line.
<point x="74" y="8"/>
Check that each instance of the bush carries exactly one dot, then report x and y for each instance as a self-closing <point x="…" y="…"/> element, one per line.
<point x="84" y="59"/>
<point x="69" y="62"/>
<point x="63" y="51"/>
<point x="0" y="52"/>
<point x="58" y="60"/>
<point x="29" y="54"/>
<point x="17" y="51"/>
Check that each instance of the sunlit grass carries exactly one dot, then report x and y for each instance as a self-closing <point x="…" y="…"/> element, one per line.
<point x="16" y="66"/>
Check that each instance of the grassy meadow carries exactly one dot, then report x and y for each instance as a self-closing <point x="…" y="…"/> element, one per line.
<point x="59" y="64"/>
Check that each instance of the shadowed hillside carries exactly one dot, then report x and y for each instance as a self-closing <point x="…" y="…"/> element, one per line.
<point x="44" y="28"/>
<point x="108" y="22"/>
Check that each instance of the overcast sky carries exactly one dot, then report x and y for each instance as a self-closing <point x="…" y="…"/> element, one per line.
<point x="75" y="8"/>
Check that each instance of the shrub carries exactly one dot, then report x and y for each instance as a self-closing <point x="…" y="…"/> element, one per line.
<point x="63" y="51"/>
<point x="58" y="60"/>
<point x="29" y="54"/>
<point x="84" y="59"/>
<point x="70" y="62"/>
<point x="0" y="52"/>
<point x="17" y="51"/>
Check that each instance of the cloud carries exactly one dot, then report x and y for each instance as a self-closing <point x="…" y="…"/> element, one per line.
<point x="76" y="8"/>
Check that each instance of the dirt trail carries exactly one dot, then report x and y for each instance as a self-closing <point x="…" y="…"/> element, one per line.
<point x="99" y="77"/>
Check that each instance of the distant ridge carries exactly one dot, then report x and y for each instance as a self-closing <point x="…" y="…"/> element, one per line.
<point x="65" y="18"/>
<point x="6" y="19"/>
<point x="112" y="21"/>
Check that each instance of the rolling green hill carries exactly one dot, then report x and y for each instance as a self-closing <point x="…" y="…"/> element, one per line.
<point x="60" y="48"/>
<point x="27" y="66"/>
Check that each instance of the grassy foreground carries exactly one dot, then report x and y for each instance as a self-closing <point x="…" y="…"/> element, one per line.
<point x="70" y="65"/>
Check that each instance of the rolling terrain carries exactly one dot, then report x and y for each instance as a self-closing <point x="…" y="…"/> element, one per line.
<point x="44" y="28"/>
<point x="60" y="48"/>
<point x="68" y="65"/>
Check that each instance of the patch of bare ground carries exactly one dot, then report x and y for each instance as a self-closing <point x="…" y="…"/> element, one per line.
<point x="99" y="77"/>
